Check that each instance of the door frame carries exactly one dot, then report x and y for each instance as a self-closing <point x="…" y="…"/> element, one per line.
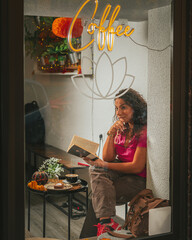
<point x="12" y="121"/>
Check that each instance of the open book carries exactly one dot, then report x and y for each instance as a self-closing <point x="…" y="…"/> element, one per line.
<point x="82" y="147"/>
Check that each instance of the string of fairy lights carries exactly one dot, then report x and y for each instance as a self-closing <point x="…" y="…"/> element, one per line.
<point x="49" y="50"/>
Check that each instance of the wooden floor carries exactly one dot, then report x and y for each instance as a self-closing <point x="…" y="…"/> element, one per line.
<point x="56" y="221"/>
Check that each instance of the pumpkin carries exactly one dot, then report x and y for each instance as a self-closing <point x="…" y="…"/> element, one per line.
<point x="40" y="177"/>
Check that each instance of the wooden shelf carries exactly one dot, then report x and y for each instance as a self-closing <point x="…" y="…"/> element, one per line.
<point x="39" y="72"/>
<point x="56" y="74"/>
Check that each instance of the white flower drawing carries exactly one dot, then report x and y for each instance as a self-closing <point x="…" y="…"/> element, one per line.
<point x="95" y="91"/>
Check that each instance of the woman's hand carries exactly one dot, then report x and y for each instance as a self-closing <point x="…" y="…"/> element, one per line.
<point x="117" y="126"/>
<point x="97" y="163"/>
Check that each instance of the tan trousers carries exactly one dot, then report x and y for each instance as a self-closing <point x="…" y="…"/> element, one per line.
<point x="111" y="188"/>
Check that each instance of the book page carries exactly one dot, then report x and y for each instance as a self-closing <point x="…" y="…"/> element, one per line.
<point x="84" y="143"/>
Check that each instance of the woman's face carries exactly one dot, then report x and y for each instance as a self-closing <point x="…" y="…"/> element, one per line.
<point x="123" y="111"/>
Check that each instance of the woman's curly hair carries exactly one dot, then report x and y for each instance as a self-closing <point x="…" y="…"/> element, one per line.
<point x="133" y="99"/>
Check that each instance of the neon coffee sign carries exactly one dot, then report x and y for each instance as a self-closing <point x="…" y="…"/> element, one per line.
<point x="104" y="35"/>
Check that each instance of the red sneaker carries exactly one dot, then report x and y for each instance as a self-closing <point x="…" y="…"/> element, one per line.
<point x="106" y="227"/>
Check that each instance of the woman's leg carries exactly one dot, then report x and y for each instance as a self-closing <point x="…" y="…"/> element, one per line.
<point x="103" y="192"/>
<point x="127" y="187"/>
<point x="104" y="198"/>
<point x="123" y="187"/>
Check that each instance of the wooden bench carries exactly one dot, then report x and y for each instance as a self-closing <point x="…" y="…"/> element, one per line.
<point x="69" y="162"/>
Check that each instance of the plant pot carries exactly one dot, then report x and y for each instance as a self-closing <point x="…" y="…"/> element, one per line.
<point x="73" y="58"/>
<point x="53" y="179"/>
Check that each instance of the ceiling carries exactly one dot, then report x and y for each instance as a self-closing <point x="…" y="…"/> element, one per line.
<point x="133" y="10"/>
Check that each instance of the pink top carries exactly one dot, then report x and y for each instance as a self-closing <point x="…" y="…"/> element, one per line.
<point x="126" y="154"/>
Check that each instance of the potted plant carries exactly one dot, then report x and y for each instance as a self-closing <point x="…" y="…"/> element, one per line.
<point x="52" y="167"/>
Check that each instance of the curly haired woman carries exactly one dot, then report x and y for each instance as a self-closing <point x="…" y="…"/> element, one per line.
<point x="122" y="173"/>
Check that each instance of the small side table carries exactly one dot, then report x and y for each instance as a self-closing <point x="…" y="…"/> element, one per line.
<point x="82" y="187"/>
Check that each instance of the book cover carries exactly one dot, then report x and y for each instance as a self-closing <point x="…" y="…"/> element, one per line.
<point x="80" y="152"/>
<point x="82" y="147"/>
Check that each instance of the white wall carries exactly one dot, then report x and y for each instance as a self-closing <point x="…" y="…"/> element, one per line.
<point x="137" y="56"/>
<point x="159" y="89"/>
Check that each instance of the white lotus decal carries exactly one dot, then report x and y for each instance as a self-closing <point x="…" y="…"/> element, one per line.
<point x="115" y="74"/>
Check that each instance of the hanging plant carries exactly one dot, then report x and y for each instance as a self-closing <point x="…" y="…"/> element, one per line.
<point x="50" y="51"/>
<point x="41" y="41"/>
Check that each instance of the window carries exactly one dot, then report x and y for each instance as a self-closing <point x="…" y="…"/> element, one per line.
<point x="177" y="91"/>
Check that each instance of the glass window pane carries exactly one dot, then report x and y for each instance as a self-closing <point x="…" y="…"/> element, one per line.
<point x="100" y="70"/>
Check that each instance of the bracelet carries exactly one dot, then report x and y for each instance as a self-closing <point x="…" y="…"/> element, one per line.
<point x="110" y="134"/>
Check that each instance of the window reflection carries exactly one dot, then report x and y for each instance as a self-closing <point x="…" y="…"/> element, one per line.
<point x="142" y="62"/>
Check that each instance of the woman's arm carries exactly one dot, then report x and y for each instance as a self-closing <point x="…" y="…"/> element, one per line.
<point x="109" y="153"/>
<point x="136" y="166"/>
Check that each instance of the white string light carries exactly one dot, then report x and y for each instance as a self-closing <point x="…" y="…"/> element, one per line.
<point x="152" y="49"/>
<point x="92" y="111"/>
